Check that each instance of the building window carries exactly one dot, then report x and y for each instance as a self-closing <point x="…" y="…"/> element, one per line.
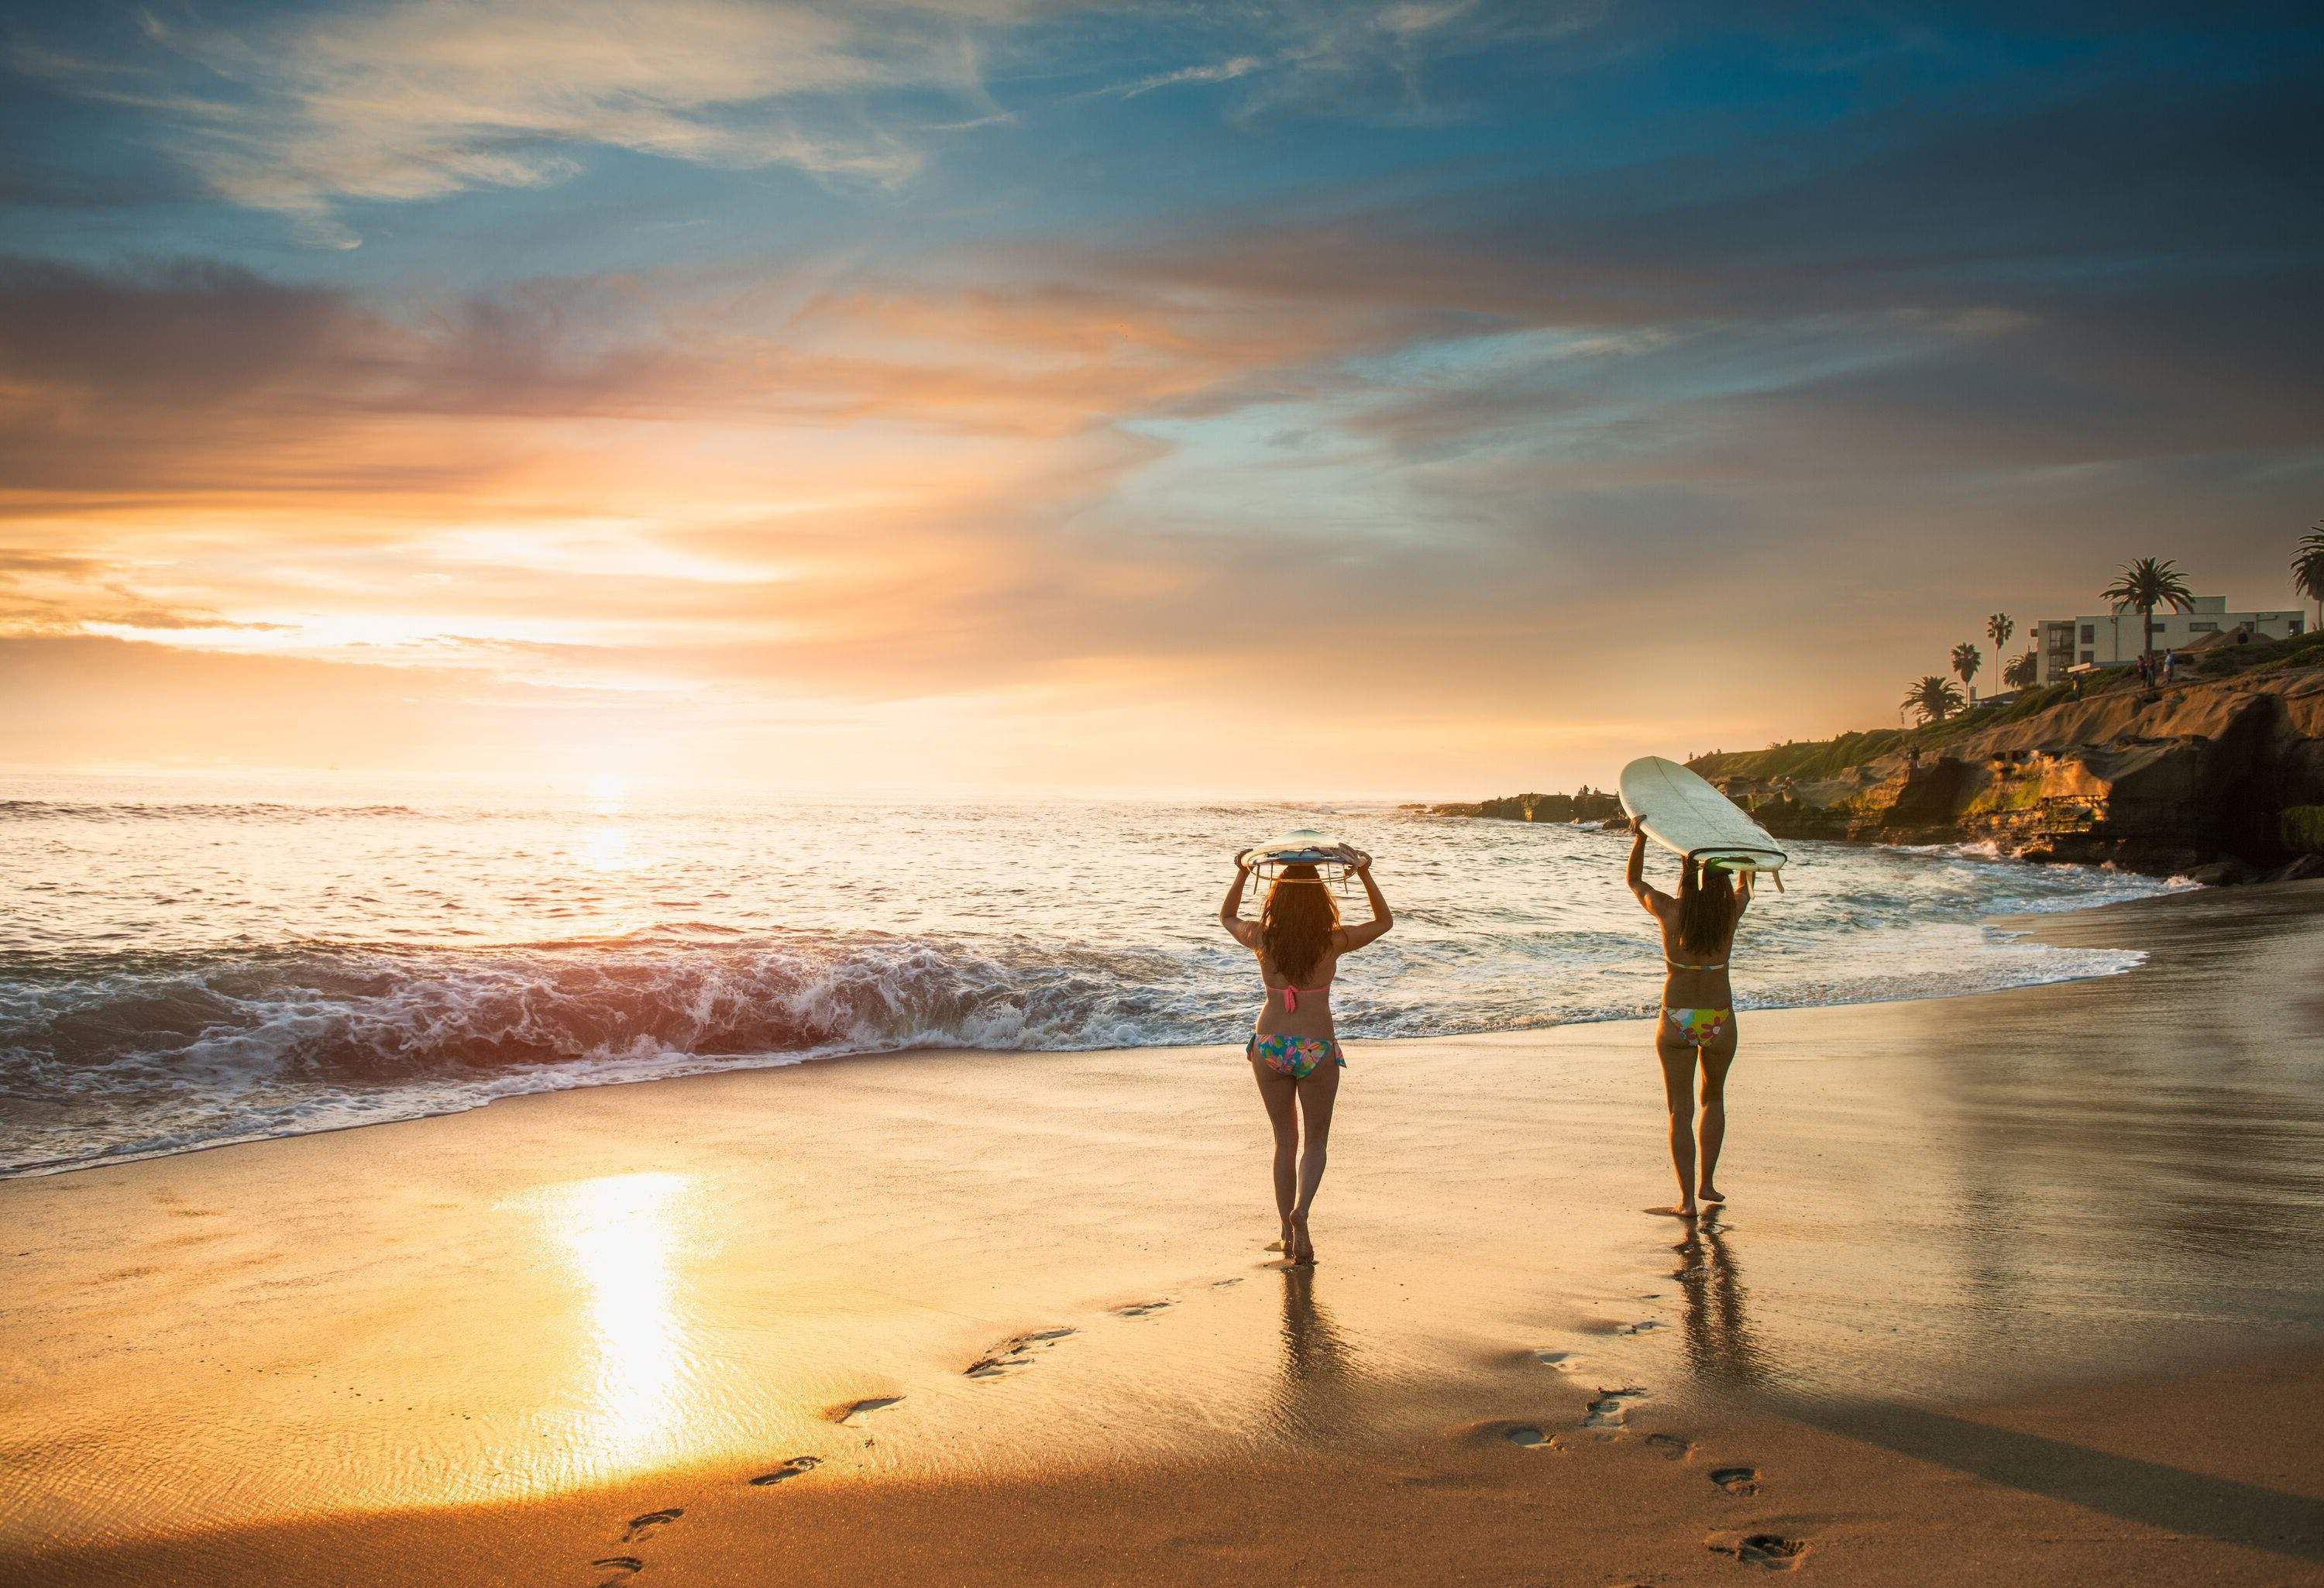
<point x="2202" y="628"/>
<point x="2090" y="635"/>
<point x="2295" y="625"/>
<point x="2090" y="656"/>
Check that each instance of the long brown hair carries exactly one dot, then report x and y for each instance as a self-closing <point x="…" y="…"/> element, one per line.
<point x="1706" y="907"/>
<point x="1295" y="927"/>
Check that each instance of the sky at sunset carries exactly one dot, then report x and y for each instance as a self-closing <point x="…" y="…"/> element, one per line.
<point x="1312" y="401"/>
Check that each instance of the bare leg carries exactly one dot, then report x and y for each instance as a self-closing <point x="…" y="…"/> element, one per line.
<point x="1278" y="1090"/>
<point x="1317" y="1093"/>
<point x="1715" y="1060"/>
<point x="1678" y="1093"/>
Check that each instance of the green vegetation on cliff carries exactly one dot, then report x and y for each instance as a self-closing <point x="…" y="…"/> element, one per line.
<point x="1806" y="760"/>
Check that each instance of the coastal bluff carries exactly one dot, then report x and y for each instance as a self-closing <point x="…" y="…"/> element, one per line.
<point x="2220" y="781"/>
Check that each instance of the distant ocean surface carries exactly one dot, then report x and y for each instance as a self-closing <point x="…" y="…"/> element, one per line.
<point x="185" y="963"/>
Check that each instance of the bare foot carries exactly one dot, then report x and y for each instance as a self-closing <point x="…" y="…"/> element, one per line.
<point x="1710" y="1192"/>
<point x="1299" y="1249"/>
<point x="1684" y="1210"/>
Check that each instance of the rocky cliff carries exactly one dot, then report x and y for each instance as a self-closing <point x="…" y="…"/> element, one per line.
<point x="2210" y="779"/>
<point x="2222" y="780"/>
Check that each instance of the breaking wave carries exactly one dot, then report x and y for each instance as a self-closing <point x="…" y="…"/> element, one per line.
<point x="177" y="975"/>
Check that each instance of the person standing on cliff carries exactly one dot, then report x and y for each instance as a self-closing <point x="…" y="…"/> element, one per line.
<point x="2169" y="663"/>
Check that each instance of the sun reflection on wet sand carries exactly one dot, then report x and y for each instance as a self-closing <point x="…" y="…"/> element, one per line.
<point x="621" y="1241"/>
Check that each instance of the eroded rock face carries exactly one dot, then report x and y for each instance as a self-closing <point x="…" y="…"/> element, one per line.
<point x="2198" y="775"/>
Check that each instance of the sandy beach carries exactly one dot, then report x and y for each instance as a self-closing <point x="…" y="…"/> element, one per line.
<point x="2018" y="1284"/>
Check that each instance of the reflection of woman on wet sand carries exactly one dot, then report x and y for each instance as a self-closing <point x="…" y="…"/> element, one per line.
<point x="1720" y="1343"/>
<point x="1316" y="1398"/>
<point x="1698" y="1013"/>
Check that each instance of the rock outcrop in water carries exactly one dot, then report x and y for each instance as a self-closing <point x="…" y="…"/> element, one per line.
<point x="2222" y="780"/>
<point x="1587" y="806"/>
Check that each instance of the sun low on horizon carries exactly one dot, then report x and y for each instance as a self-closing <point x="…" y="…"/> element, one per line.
<point x="1438" y="397"/>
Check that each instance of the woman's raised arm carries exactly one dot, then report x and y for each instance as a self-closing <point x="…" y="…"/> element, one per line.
<point x="1231" y="912"/>
<point x="1643" y="892"/>
<point x="1383" y="918"/>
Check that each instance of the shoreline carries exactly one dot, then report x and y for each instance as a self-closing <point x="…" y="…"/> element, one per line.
<point x="1974" y="1306"/>
<point x="748" y="1064"/>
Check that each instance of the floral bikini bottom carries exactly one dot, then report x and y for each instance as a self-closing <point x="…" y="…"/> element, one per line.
<point x="1701" y="1027"/>
<point x="1296" y="1056"/>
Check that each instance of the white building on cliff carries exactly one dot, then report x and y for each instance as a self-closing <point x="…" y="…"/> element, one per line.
<point x="2060" y="644"/>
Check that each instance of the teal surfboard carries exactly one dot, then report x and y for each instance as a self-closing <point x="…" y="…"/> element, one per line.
<point x="1302" y="845"/>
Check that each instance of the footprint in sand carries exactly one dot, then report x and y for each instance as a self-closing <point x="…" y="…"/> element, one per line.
<point x="1222" y="1284"/>
<point x="1770" y="1550"/>
<point x="852" y="1415"/>
<point x="1609" y="1410"/>
<point x="1737" y="1480"/>
<point x="1014" y="1352"/>
<point x="1669" y="1446"/>
<point x="1643" y="1326"/>
<point x="1143" y="1309"/>
<point x="623" y="1566"/>
<point x="642" y="1529"/>
<point x="1563" y="1362"/>
<point x="1526" y="1436"/>
<point x="789" y="1469"/>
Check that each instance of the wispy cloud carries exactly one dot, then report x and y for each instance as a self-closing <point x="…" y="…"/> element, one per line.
<point x="422" y="98"/>
<point x="1225" y="72"/>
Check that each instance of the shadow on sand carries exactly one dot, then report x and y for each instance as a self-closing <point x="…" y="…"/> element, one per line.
<point x="2144" y="1492"/>
<point x="1723" y="1349"/>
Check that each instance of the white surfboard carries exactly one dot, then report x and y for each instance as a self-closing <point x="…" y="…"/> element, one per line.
<point x="1687" y="816"/>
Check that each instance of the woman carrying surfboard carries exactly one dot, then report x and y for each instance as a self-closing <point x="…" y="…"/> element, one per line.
<point x="1294" y="1049"/>
<point x="1698" y="1014"/>
<point x="1714" y="840"/>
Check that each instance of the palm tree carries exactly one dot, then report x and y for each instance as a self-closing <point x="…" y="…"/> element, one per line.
<point x="2021" y="673"/>
<point x="1934" y="697"/>
<point x="1965" y="661"/>
<point x="2308" y="569"/>
<point x="2145" y="584"/>
<point x="1997" y="629"/>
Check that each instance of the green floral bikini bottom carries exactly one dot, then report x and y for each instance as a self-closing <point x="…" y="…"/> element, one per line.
<point x="1296" y="1056"/>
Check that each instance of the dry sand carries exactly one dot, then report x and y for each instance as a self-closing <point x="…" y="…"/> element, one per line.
<point x="2021" y="1283"/>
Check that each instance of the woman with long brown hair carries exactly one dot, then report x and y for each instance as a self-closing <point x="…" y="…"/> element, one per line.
<point x="1293" y="1051"/>
<point x="1698" y="1013"/>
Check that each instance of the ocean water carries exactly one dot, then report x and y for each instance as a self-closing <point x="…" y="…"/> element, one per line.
<point x="185" y="963"/>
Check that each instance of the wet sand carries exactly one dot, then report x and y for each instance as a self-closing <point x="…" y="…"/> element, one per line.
<point x="2019" y="1283"/>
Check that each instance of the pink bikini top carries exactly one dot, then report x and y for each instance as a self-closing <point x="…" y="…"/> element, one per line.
<point x="1291" y="995"/>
